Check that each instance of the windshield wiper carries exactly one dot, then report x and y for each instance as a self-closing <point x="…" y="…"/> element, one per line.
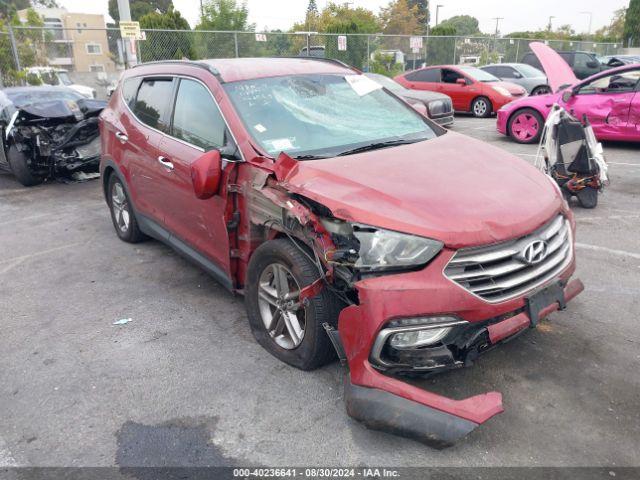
<point x="376" y="146"/>
<point x="309" y="157"/>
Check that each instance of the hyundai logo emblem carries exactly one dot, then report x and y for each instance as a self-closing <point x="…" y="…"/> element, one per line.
<point x="535" y="252"/>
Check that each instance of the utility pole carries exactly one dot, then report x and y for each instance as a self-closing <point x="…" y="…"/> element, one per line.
<point x="201" y="10"/>
<point x="551" y="17"/>
<point x="438" y="7"/>
<point x="590" y="20"/>
<point x="497" y="19"/>
<point x="128" y="49"/>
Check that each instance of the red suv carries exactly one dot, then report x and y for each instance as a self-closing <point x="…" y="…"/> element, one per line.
<point x="352" y="224"/>
<point x="471" y="89"/>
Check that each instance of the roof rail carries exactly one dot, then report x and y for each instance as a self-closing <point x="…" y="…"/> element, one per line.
<point x="327" y="60"/>
<point x="193" y="63"/>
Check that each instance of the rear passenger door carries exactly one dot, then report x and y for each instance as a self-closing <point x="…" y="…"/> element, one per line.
<point x="424" y="79"/>
<point x="197" y="126"/>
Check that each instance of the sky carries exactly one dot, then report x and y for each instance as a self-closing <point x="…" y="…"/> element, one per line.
<point x="518" y="15"/>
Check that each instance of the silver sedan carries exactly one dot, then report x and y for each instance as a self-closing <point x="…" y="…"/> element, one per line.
<point x="528" y="77"/>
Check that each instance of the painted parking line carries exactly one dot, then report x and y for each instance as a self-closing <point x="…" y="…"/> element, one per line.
<point x="612" y="251"/>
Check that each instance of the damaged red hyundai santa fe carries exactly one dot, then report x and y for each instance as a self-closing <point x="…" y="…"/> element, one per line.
<point x="353" y="225"/>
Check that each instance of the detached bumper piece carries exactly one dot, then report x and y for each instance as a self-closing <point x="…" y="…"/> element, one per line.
<point x="383" y="402"/>
<point x="380" y="410"/>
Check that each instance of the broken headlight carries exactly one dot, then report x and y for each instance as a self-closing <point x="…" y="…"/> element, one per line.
<point x="388" y="250"/>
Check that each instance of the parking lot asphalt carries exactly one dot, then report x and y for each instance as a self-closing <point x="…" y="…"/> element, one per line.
<point x="184" y="382"/>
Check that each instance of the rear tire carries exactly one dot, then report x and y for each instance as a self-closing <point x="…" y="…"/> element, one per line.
<point x="18" y="162"/>
<point x="122" y="215"/>
<point x="525" y="126"/>
<point x="481" y="107"/>
<point x="271" y="321"/>
<point x="541" y="90"/>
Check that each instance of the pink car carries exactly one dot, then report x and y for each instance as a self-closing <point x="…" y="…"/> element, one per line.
<point x="609" y="99"/>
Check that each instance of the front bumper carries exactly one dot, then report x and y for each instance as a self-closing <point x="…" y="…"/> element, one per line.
<point x="444" y="120"/>
<point x="383" y="402"/>
<point x="501" y="121"/>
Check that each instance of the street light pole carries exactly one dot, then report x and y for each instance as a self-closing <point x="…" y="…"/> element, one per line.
<point x="590" y="20"/>
<point x="551" y="17"/>
<point x="438" y="7"/>
<point x="497" y="19"/>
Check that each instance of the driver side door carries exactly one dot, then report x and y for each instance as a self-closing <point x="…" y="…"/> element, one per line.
<point x="606" y="102"/>
<point x="461" y="95"/>
<point x="197" y="126"/>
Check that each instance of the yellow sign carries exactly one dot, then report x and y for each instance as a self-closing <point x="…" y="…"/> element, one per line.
<point x="130" y="30"/>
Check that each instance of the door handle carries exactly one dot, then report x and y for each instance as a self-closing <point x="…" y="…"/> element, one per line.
<point x="165" y="162"/>
<point x="122" y="137"/>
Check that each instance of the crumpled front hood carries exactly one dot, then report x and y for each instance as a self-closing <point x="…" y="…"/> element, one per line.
<point x="458" y="190"/>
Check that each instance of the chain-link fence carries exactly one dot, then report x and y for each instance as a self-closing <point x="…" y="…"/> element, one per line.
<point x="94" y="57"/>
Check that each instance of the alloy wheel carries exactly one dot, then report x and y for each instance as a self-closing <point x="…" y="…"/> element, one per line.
<point x="120" y="207"/>
<point x="525" y="126"/>
<point x="480" y="108"/>
<point x="278" y="301"/>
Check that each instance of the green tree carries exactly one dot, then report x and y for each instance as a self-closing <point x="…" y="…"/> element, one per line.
<point x="311" y="19"/>
<point x="615" y="30"/>
<point x="9" y="7"/>
<point x="464" y="25"/>
<point x="161" y="45"/>
<point x="632" y="24"/>
<point x="30" y="44"/>
<point x="400" y="18"/>
<point x="441" y="45"/>
<point x="385" y="64"/>
<point x="422" y="7"/>
<point x="140" y="8"/>
<point x="225" y="15"/>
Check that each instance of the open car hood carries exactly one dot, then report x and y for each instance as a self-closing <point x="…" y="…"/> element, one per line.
<point x="452" y="188"/>
<point x="558" y="72"/>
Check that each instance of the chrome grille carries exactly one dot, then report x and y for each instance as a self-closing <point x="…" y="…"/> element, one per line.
<point x="499" y="272"/>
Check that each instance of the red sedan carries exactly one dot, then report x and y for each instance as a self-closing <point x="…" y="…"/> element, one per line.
<point x="471" y="89"/>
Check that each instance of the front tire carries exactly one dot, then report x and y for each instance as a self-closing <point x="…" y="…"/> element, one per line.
<point x="18" y="163"/>
<point x="290" y="330"/>
<point x="122" y="216"/>
<point x="525" y="126"/>
<point x="481" y="107"/>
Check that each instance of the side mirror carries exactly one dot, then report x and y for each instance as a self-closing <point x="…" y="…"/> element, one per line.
<point x="205" y="174"/>
<point x="593" y="64"/>
<point x="461" y="81"/>
<point x="517" y="75"/>
<point x="420" y="108"/>
<point x="566" y="95"/>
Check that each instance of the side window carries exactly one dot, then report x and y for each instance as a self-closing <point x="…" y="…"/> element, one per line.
<point x="568" y="57"/>
<point x="196" y="118"/>
<point x="617" y="83"/>
<point x="506" y="72"/>
<point x="427" y="75"/>
<point x="151" y="103"/>
<point x="129" y="89"/>
<point x="532" y="60"/>
<point x="491" y="70"/>
<point x="451" y="76"/>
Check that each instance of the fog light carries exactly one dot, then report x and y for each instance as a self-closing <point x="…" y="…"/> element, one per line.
<point x="417" y="338"/>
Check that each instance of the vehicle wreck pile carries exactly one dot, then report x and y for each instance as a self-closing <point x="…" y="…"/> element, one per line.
<point x="54" y="136"/>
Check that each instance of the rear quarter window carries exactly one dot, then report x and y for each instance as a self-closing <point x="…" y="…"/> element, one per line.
<point x="152" y="101"/>
<point x="129" y="89"/>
